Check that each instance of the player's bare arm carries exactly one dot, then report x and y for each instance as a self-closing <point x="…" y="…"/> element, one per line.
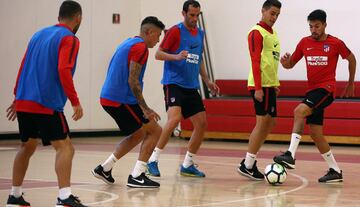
<point x="161" y="54"/>
<point x="349" y="90"/>
<point x="135" y="70"/>
<point x="214" y="89"/>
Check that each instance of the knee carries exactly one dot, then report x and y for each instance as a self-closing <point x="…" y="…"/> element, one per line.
<point x="68" y="148"/>
<point x="201" y="124"/>
<point x="155" y="130"/>
<point x="28" y="149"/>
<point x="299" y="113"/>
<point x="272" y="124"/>
<point x="173" y="121"/>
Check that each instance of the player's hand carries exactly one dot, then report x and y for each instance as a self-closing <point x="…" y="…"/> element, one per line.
<point x="214" y="89"/>
<point x="11" y="112"/>
<point x="277" y="91"/>
<point x="259" y="94"/>
<point x="349" y="91"/>
<point x="78" y="112"/>
<point x="182" y="55"/>
<point x="286" y="60"/>
<point x="151" y="114"/>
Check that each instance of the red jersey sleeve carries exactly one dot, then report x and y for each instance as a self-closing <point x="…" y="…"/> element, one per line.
<point x="298" y="53"/>
<point x="255" y="42"/>
<point x="343" y="50"/>
<point x="171" y="41"/>
<point x="139" y="53"/>
<point x="68" y="50"/>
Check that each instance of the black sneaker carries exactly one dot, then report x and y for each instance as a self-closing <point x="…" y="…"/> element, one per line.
<point x="331" y="176"/>
<point x="99" y="173"/>
<point x="285" y="160"/>
<point x="253" y="173"/>
<point x="142" y="181"/>
<point x="72" y="201"/>
<point x="17" y="202"/>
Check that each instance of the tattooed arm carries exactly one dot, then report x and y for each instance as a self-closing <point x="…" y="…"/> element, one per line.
<point x="135" y="70"/>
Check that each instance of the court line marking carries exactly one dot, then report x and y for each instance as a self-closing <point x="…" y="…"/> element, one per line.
<point x="305" y="182"/>
<point x="7" y="148"/>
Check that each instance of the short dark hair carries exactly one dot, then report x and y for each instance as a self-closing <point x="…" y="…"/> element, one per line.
<point x="69" y="9"/>
<point x="187" y="3"/>
<point x="154" y="21"/>
<point x="269" y="3"/>
<point x="317" y="14"/>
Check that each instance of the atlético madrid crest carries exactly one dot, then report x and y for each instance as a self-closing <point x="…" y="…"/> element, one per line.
<point x="326" y="48"/>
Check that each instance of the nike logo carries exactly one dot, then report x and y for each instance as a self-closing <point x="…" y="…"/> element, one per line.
<point x="309" y="48"/>
<point x="106" y="176"/>
<point x="275" y="45"/>
<point x="139" y="181"/>
<point x="307" y="100"/>
<point x="250" y="173"/>
<point x="193" y="46"/>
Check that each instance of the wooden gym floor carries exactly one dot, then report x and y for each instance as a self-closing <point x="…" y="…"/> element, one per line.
<point x="223" y="186"/>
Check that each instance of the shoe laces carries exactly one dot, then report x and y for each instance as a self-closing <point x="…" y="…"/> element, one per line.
<point x="331" y="172"/>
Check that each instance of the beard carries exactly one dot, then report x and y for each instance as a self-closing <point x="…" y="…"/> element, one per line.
<point x="76" y="28"/>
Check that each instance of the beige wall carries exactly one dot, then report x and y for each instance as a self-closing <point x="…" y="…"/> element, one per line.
<point x="98" y="40"/>
<point x="227" y="22"/>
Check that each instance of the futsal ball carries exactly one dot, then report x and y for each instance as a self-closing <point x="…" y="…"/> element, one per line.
<point x="177" y="132"/>
<point x="275" y="174"/>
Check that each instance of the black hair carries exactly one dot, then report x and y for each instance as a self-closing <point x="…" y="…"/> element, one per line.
<point x="269" y="3"/>
<point x="187" y="3"/>
<point x="154" y="21"/>
<point x="317" y="14"/>
<point x="69" y="9"/>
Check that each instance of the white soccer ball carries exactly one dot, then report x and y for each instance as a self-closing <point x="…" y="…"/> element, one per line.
<point x="177" y="132"/>
<point x="275" y="174"/>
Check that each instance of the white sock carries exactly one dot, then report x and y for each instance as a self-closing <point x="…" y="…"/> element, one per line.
<point x="109" y="163"/>
<point x="16" y="191"/>
<point x="155" y="155"/>
<point x="139" y="168"/>
<point x="330" y="160"/>
<point x="249" y="160"/>
<point x="188" y="159"/>
<point x="64" y="193"/>
<point x="294" y="143"/>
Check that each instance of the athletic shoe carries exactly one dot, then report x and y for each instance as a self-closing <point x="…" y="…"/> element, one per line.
<point x="142" y="181"/>
<point x="17" y="202"/>
<point x="72" y="201"/>
<point x="191" y="171"/>
<point x="285" y="160"/>
<point x="331" y="176"/>
<point x="253" y="173"/>
<point x="153" y="168"/>
<point x="99" y="173"/>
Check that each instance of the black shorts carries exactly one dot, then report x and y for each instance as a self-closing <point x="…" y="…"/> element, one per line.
<point x="188" y="99"/>
<point x="129" y="117"/>
<point x="45" y="126"/>
<point x="317" y="99"/>
<point x="268" y="105"/>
